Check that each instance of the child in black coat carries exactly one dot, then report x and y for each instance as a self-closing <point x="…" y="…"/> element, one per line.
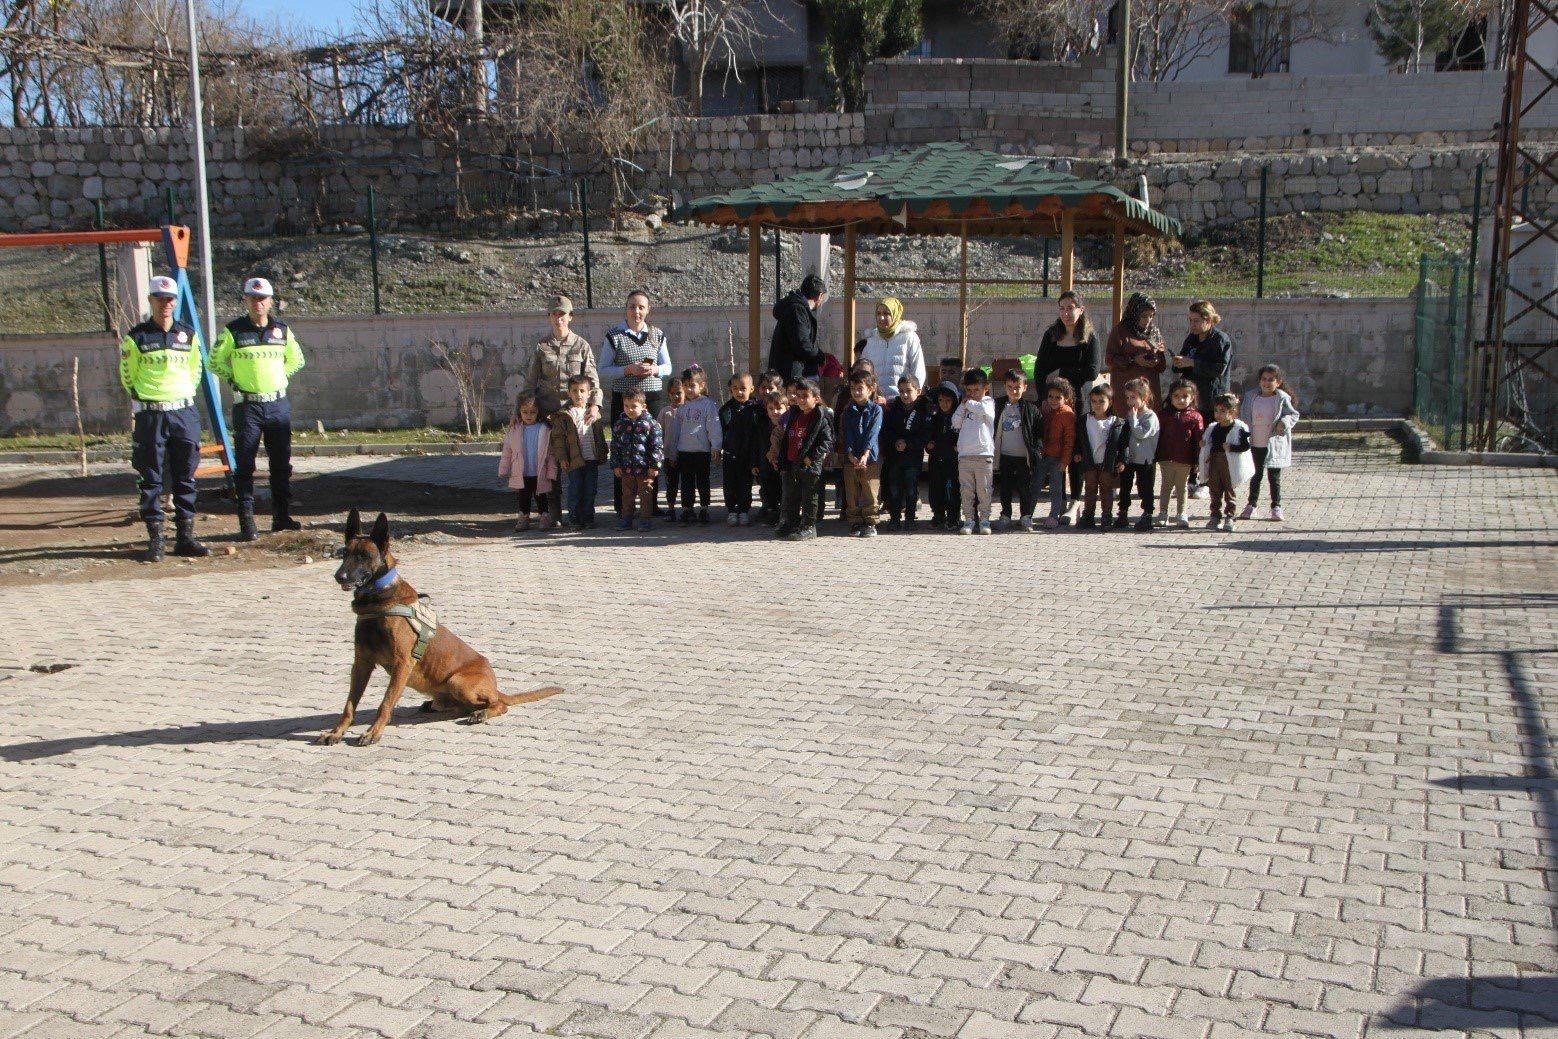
<point x="744" y="444"/>
<point x="905" y="432"/>
<point x="942" y="463"/>
<point x="1019" y="446"/>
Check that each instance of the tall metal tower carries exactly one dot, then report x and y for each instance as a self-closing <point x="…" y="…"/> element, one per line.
<point x="1515" y="370"/>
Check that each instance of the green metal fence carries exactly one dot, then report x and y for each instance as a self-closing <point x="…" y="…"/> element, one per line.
<point x="1439" y="362"/>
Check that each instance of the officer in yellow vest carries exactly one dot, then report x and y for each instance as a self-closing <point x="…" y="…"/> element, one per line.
<point x="159" y="367"/>
<point x="257" y="355"/>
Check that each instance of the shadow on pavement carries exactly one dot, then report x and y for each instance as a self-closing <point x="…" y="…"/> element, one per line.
<point x="300" y="729"/>
<point x="1528" y="1002"/>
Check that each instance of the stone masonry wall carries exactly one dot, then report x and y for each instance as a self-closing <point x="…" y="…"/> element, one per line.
<point x="1344" y="357"/>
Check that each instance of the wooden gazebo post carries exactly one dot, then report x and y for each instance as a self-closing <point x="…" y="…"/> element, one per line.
<point x="754" y="296"/>
<point x="963" y="294"/>
<point x="1117" y="305"/>
<point x="1068" y="244"/>
<point x="849" y="297"/>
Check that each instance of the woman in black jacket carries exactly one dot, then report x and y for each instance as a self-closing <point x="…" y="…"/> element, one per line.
<point x="1070" y="349"/>
<point x="1206" y="358"/>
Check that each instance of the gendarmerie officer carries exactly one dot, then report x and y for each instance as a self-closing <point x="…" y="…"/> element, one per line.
<point x="159" y="367"/>
<point x="257" y="355"/>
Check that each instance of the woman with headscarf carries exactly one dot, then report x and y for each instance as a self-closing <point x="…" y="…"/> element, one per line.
<point x="1135" y="351"/>
<point x="893" y="348"/>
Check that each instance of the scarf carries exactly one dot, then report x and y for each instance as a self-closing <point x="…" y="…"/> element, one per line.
<point x="894" y="307"/>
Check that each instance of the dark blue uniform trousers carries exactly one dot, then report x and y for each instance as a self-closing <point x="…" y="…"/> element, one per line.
<point x="166" y="450"/>
<point x="270" y="421"/>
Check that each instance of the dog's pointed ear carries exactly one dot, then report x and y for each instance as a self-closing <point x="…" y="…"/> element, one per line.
<point x="380" y="533"/>
<point x="353" y="526"/>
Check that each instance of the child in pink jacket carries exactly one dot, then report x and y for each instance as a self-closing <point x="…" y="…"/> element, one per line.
<point x="526" y="463"/>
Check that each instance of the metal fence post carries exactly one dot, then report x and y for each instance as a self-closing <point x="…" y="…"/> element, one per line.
<point x="167" y="198"/>
<point x="1420" y="332"/>
<point x="1471" y="297"/>
<point x="1046" y="268"/>
<point x="373" y="243"/>
<point x="584" y="219"/>
<point x="100" y="221"/>
<point x="778" y="267"/>
<point x="1453" y="326"/>
<point x="1260" y="239"/>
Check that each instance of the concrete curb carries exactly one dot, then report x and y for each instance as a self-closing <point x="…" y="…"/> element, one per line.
<point x="1490" y="458"/>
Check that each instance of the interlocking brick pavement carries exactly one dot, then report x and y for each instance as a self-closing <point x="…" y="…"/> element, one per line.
<point x="1290" y="781"/>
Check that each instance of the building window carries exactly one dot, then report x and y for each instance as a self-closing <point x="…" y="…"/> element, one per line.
<point x="919" y="50"/>
<point x="1260" y="40"/>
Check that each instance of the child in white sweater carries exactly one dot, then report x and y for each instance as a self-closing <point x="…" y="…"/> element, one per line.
<point x="694" y="440"/>
<point x="974" y="419"/>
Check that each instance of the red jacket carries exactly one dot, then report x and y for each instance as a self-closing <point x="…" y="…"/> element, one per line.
<point x="1179" y="435"/>
<point x="1060" y="433"/>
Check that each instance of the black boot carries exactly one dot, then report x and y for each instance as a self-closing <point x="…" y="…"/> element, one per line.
<point x="154" y="548"/>
<point x="185" y="544"/>
<point x="284" y="522"/>
<point x="246" y="531"/>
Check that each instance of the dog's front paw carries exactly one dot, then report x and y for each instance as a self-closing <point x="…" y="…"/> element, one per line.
<point x="368" y="739"/>
<point x="477" y="717"/>
<point x="329" y="739"/>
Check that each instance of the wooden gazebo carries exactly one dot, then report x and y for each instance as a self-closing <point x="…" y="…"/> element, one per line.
<point x="933" y="189"/>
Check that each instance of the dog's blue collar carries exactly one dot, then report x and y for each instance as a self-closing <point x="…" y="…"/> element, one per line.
<point x="390" y="577"/>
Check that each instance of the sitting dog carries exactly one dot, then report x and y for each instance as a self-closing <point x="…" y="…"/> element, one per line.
<point x="400" y="633"/>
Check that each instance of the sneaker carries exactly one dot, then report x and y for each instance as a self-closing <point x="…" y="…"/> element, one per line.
<point x="983" y="528"/>
<point x="732" y="519"/>
<point x="1121" y="522"/>
<point x="745" y="520"/>
<point x="1276" y="514"/>
<point x="868" y="531"/>
<point x="1227" y="524"/>
<point x="1065" y="521"/>
<point x="806" y="534"/>
<point x="783" y="531"/>
<point x="1200" y="492"/>
<point x="894" y="524"/>
<point x="1144" y="524"/>
<point x="1002" y="523"/>
<point x="1051" y="523"/>
<point x="523" y="524"/>
<point x="1086" y="523"/>
<point x="625" y="524"/>
<point x="1027" y="524"/>
<point x="967" y="527"/>
<point x="1248" y="513"/>
<point x="855" y="530"/>
<point x="910" y="525"/>
<point x="1215" y="523"/>
<point x="686" y="516"/>
<point x="1182" y="521"/>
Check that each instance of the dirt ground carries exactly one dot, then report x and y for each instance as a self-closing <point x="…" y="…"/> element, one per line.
<point x="57" y="526"/>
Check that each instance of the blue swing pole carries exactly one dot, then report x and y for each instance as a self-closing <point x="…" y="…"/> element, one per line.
<point x="175" y="240"/>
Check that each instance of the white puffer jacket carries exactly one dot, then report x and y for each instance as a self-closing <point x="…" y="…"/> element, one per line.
<point x="895" y="357"/>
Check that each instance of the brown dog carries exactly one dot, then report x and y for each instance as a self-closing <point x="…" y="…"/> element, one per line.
<point x="437" y="663"/>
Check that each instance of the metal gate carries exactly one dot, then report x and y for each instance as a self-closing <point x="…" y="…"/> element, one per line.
<point x="1439" y="356"/>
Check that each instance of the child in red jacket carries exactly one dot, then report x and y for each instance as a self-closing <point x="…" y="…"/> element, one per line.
<point x="1060" y="441"/>
<point x="1179" y="448"/>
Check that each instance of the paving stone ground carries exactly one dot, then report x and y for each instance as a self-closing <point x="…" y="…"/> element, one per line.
<point x="1292" y="781"/>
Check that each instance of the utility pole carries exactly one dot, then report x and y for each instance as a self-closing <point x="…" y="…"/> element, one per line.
<point x="1122" y="97"/>
<point x="202" y="201"/>
<point x="477" y="32"/>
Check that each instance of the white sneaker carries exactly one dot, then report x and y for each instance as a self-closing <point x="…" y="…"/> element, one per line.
<point x="1027" y="524"/>
<point x="732" y="520"/>
<point x="1182" y="521"/>
<point x="1201" y="493"/>
<point x="967" y="527"/>
<point x="1276" y="514"/>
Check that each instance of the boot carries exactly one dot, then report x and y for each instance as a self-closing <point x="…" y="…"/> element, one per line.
<point x="154" y="548"/>
<point x="284" y="522"/>
<point x="185" y="544"/>
<point x="246" y="531"/>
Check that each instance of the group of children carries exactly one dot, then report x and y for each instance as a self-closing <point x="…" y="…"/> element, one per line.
<point x="779" y="446"/>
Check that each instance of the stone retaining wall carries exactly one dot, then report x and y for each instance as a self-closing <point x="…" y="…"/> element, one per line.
<point x="1344" y="357"/>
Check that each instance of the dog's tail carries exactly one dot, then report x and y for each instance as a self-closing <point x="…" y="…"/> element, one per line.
<point x="532" y="696"/>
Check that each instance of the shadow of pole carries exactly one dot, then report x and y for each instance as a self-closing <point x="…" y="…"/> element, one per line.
<point x="1526" y="1002"/>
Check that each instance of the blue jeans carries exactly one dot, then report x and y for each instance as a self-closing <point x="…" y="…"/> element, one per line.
<point x="1055" y="469"/>
<point x="579" y="487"/>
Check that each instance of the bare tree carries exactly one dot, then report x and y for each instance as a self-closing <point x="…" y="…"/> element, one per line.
<point x="1167" y="35"/>
<point x="471" y="367"/>
<point x="714" y="34"/>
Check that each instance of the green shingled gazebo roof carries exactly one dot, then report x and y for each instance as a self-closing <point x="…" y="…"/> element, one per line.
<point x="935" y="189"/>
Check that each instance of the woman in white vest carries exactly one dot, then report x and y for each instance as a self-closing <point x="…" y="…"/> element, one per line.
<point x="634" y="356"/>
<point x="893" y="348"/>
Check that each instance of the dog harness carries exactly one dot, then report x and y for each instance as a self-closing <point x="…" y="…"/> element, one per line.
<point x="420" y="615"/>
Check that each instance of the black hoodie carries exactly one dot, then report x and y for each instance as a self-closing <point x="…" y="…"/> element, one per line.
<point x="793" y="352"/>
<point x="943" y="436"/>
<point x="909" y="424"/>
